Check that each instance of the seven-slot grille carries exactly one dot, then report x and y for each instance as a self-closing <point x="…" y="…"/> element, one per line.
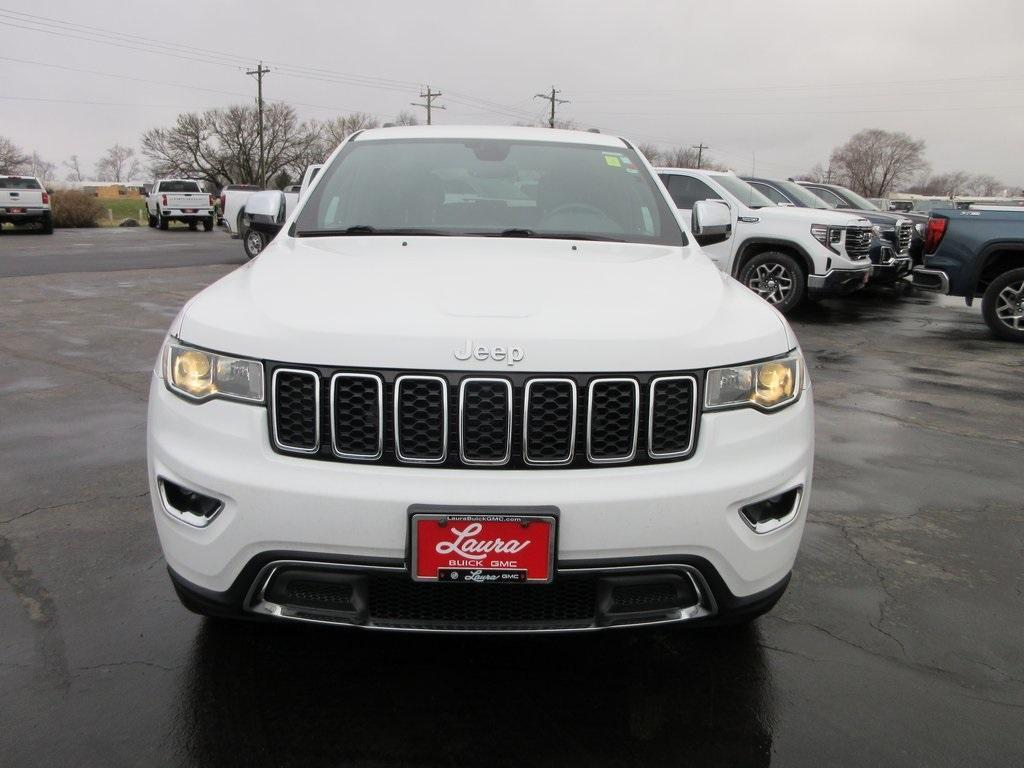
<point x="459" y="419"/>
<point x="858" y="242"/>
<point x="904" y="231"/>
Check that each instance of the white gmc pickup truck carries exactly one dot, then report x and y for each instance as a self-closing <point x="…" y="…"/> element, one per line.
<point x="24" y="201"/>
<point x="482" y="381"/>
<point x="180" y="200"/>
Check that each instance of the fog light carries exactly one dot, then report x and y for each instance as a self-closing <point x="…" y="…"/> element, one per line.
<point x="188" y="506"/>
<point x="771" y="514"/>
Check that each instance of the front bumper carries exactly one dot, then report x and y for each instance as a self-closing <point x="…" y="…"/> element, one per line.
<point x="674" y="514"/>
<point x="838" y="282"/>
<point x="891" y="266"/>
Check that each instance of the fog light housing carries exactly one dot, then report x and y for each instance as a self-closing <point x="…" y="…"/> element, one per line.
<point x="772" y="513"/>
<point x="188" y="506"/>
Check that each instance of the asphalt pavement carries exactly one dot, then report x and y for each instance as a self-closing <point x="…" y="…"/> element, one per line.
<point x="899" y="641"/>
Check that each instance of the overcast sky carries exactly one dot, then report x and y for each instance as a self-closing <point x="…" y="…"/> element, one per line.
<point x="782" y="81"/>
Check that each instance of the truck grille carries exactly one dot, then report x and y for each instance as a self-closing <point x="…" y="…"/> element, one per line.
<point x="858" y="242"/>
<point x="459" y="419"/>
<point x="904" y="231"/>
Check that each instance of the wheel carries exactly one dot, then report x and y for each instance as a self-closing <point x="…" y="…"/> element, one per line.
<point x="240" y="224"/>
<point x="777" y="278"/>
<point x="208" y="224"/>
<point x="161" y="222"/>
<point x="1002" y="306"/>
<point x="46" y="226"/>
<point x="152" y="220"/>
<point x="193" y="225"/>
<point x="253" y="241"/>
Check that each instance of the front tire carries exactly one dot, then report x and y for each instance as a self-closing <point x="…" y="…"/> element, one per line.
<point x="1002" y="306"/>
<point x="777" y="278"/>
<point x="253" y="243"/>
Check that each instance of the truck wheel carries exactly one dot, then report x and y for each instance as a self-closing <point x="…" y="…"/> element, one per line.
<point x="161" y="222"/>
<point x="208" y="224"/>
<point x="253" y="242"/>
<point x="777" y="278"/>
<point x="1003" y="305"/>
<point x="152" y="221"/>
<point x="193" y="225"/>
<point x="46" y="227"/>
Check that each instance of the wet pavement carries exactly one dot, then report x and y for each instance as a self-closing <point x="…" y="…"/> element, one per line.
<point x="899" y="641"/>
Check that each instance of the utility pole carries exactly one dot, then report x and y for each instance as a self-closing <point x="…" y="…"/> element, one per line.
<point x="259" y="72"/>
<point x="428" y="102"/>
<point x="552" y="98"/>
<point x="700" y="152"/>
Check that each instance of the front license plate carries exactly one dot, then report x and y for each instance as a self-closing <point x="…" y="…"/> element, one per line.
<point x="483" y="548"/>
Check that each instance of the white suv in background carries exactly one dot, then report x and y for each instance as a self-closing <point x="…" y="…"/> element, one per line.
<point x="783" y="254"/>
<point x="481" y="381"/>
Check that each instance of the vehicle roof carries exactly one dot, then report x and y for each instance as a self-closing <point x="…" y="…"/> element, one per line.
<point x="158" y="181"/>
<point x="509" y="132"/>
<point x="16" y="176"/>
<point x="705" y="171"/>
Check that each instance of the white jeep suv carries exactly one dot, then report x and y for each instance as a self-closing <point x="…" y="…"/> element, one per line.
<point x="782" y="253"/>
<point x="481" y="381"/>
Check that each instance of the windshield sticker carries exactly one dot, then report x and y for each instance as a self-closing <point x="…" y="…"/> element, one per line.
<point x="613" y="161"/>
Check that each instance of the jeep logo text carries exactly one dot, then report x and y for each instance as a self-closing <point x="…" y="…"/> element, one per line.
<point x="509" y="354"/>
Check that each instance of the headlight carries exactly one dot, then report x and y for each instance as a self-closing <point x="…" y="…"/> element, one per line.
<point x="827" y="236"/>
<point x="920" y="229"/>
<point x="198" y="375"/>
<point x="767" y="385"/>
<point x="877" y="230"/>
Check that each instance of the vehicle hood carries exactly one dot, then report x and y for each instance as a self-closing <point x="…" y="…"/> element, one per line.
<point x="786" y="213"/>
<point x="882" y="218"/>
<point x="389" y="302"/>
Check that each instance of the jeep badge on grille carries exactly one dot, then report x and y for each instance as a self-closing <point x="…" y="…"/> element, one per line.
<point x="509" y="354"/>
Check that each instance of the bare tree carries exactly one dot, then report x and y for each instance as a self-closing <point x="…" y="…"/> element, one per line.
<point x="959" y="183"/>
<point x="651" y="152"/>
<point x="12" y="158"/>
<point x="405" y="117"/>
<point x="42" y="169"/>
<point x="74" y="169"/>
<point x="984" y="185"/>
<point x="823" y="174"/>
<point x="874" y="161"/>
<point x="221" y="146"/>
<point x="118" y="164"/>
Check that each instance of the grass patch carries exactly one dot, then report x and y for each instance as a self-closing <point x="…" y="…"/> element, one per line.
<point x="120" y="208"/>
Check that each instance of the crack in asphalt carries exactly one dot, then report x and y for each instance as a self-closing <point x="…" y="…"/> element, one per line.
<point x="10" y="520"/>
<point x="129" y="663"/>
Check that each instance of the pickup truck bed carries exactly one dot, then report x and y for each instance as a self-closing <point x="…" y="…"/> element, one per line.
<point x="24" y="201"/>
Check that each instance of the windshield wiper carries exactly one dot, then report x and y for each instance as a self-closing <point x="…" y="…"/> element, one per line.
<point x="524" y="232"/>
<point x="367" y="229"/>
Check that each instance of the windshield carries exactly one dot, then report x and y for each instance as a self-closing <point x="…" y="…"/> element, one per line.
<point x="742" y="191"/>
<point x="15" y="182"/>
<point x="807" y="198"/>
<point x="860" y="203"/>
<point x="488" y="187"/>
<point x="179" y="186"/>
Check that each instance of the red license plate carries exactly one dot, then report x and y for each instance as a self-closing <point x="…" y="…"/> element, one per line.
<point x="189" y="210"/>
<point x="16" y="210"/>
<point x="483" y="548"/>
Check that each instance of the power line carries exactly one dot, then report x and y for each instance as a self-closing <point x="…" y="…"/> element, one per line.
<point x="428" y="98"/>
<point x="552" y="98"/>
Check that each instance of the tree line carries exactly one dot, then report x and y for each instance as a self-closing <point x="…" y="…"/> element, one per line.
<point x="221" y="146"/>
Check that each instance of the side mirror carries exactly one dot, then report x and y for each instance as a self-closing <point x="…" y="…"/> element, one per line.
<point x="710" y="221"/>
<point x="267" y="207"/>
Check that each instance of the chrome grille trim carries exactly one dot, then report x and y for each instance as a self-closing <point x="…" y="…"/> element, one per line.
<point x="858" y="242"/>
<point x="398" y="436"/>
<point x="526" y="423"/>
<point x="590" y="420"/>
<point x="380" y="416"/>
<point x="650" y="417"/>
<point x="316" y="402"/>
<point x="462" y="422"/>
<point x="904" y="233"/>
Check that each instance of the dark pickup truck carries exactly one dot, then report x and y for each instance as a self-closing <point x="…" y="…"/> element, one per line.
<point x="979" y="252"/>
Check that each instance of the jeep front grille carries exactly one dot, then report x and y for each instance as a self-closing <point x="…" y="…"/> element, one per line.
<point x="460" y="419"/>
<point x="858" y="242"/>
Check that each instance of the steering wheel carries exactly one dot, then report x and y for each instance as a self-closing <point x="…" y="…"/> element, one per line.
<point x="581" y="207"/>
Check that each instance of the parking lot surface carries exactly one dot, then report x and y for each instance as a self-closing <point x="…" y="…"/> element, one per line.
<point x="898" y="642"/>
